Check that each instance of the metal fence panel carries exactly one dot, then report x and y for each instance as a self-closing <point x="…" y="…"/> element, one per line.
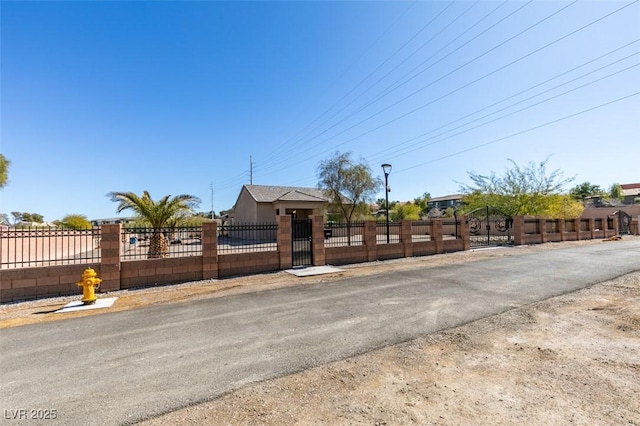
<point x="393" y="236"/>
<point x="247" y="237"/>
<point x="450" y="229"/>
<point x="48" y="246"/>
<point x="178" y="242"/>
<point x="421" y="231"/>
<point x="341" y="234"/>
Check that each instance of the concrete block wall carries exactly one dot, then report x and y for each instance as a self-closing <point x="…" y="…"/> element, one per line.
<point x="30" y="283"/>
<point x="248" y="263"/>
<point x="140" y="273"/>
<point x="346" y="254"/>
<point x="566" y="229"/>
<point x="49" y="281"/>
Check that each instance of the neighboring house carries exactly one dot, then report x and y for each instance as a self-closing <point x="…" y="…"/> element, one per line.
<point x="442" y="203"/>
<point x="35" y="225"/>
<point x="262" y="203"/>
<point x="112" y="220"/>
<point x="599" y="201"/>
<point x="629" y="192"/>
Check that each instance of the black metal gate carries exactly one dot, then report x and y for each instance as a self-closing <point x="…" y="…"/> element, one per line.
<point x="624" y="223"/>
<point x="301" y="242"/>
<point x="488" y="226"/>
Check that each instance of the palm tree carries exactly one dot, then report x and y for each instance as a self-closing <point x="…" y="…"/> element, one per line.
<point x="157" y="213"/>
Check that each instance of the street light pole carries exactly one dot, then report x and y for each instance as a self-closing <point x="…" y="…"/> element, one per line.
<point x="386" y="168"/>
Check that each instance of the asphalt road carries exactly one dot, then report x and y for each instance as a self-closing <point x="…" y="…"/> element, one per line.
<point x="121" y="367"/>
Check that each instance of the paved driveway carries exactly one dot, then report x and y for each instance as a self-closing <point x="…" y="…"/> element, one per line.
<point x="120" y="367"/>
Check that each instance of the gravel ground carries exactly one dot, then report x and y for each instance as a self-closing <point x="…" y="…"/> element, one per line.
<point x="573" y="359"/>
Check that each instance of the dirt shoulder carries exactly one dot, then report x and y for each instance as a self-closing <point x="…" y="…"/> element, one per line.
<point x="573" y="359"/>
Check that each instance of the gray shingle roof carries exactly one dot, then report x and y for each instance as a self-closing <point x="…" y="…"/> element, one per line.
<point x="269" y="194"/>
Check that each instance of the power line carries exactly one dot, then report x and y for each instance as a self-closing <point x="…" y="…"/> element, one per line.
<point x="519" y="93"/>
<point x="282" y="159"/>
<point x="517" y="111"/>
<point x="528" y="107"/>
<point x="399" y="83"/>
<point x="388" y="73"/>
<point x="278" y="151"/>
<point x="464" y="86"/>
<point x="549" y="123"/>
<point x="420" y="143"/>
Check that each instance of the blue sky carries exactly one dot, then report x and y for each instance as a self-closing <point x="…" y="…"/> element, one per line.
<point x="176" y="97"/>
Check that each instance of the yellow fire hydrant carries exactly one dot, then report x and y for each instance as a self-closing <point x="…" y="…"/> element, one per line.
<point x="89" y="285"/>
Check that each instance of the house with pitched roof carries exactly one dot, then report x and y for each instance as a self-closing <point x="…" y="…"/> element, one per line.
<point x="630" y="192"/>
<point x="442" y="203"/>
<point x="262" y="203"/>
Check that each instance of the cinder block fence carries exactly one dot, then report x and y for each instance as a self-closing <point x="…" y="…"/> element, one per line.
<point x="209" y="261"/>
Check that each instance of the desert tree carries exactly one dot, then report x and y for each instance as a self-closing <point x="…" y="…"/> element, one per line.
<point x="406" y="212"/>
<point x="585" y="190"/>
<point x="4" y="171"/>
<point x="347" y="184"/>
<point x="615" y="191"/>
<point x="423" y="202"/>
<point x="74" y="221"/>
<point x="158" y="214"/>
<point x="519" y="191"/>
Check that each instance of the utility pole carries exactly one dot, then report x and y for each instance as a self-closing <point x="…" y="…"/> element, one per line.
<point x="212" y="215"/>
<point x="250" y="170"/>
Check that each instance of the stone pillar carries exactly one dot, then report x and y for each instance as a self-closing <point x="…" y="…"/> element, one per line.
<point x="209" y="250"/>
<point x="284" y="241"/>
<point x="370" y="240"/>
<point x="592" y="227"/>
<point x="436" y="235"/>
<point x="518" y="230"/>
<point x="405" y="238"/>
<point x="542" y="229"/>
<point x="110" y="243"/>
<point x="561" y="229"/>
<point x="463" y="232"/>
<point x="317" y="240"/>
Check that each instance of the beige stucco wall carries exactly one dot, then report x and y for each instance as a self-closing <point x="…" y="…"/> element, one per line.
<point x="304" y="209"/>
<point x="265" y="213"/>
<point x="245" y="210"/>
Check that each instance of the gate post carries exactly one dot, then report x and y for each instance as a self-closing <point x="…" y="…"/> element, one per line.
<point x="463" y="228"/>
<point x="405" y="238"/>
<point x="317" y="240"/>
<point x="436" y="235"/>
<point x="370" y="240"/>
<point x="561" y="229"/>
<point x="209" y="250"/>
<point x="110" y="256"/>
<point x="542" y="228"/>
<point x="284" y="241"/>
<point x="518" y="230"/>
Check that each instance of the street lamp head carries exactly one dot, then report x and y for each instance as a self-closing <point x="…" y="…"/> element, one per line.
<point x="386" y="168"/>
